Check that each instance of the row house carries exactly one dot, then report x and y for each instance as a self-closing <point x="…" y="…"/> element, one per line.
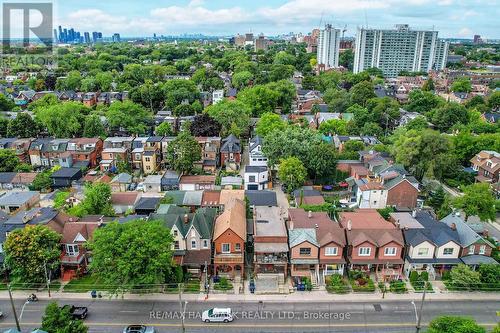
<point x="230" y="153"/>
<point x="192" y="234"/>
<point x="270" y="240"/>
<point x="317" y="245"/>
<point x="75" y="256"/>
<point x="19" y="146"/>
<point x="85" y="152"/>
<point x="256" y="156"/>
<point x="115" y="149"/>
<point x="210" y="152"/>
<point x="374" y="245"/>
<point x="146" y="154"/>
<point x="431" y="246"/>
<point x="230" y="237"/>
<point x="487" y="165"/>
<point x="49" y="152"/>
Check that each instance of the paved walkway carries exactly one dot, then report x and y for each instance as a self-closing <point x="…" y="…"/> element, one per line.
<point x="312" y="296"/>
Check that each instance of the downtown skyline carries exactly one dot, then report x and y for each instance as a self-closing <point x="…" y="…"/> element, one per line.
<point x="454" y="19"/>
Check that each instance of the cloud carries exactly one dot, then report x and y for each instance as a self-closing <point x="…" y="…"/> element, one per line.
<point x="196" y="15"/>
<point x="92" y="19"/>
<point x="465" y="33"/>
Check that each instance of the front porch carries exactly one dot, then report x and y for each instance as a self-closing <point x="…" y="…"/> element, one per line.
<point x="386" y="272"/>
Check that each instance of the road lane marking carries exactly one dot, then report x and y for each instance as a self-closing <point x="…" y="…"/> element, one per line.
<point x="129" y="311"/>
<point x="402" y="311"/>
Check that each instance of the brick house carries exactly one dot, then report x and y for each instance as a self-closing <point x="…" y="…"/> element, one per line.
<point x="401" y="192"/>
<point x="487" y="165"/>
<point x="373" y="244"/>
<point x="230" y="153"/>
<point x="86" y="150"/>
<point x="210" y="153"/>
<point x="230" y="236"/>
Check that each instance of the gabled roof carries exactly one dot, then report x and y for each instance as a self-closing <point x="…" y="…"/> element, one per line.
<point x="254" y="142"/>
<point x="234" y="218"/>
<point x="301" y="235"/>
<point x="77" y="232"/>
<point x="438" y="232"/>
<point x="231" y="144"/>
<point x="466" y="235"/>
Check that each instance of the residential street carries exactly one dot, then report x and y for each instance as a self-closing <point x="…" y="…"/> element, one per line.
<point x="367" y="317"/>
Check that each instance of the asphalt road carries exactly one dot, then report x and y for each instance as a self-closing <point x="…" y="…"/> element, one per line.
<point x="366" y="317"/>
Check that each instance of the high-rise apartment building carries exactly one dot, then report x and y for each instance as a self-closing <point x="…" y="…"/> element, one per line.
<point x="328" y="47"/>
<point x="399" y="49"/>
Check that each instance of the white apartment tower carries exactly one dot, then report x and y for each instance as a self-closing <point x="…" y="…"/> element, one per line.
<point x="328" y="47"/>
<point x="399" y="49"/>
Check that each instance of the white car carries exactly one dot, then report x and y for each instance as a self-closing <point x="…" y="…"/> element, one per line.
<point x="140" y="187"/>
<point x="223" y="315"/>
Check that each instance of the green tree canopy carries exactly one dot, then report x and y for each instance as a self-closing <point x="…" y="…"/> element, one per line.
<point x="292" y="173"/>
<point x="5" y="103"/>
<point x="423" y="101"/>
<point x="333" y="126"/>
<point x="183" y="152"/>
<point x="177" y="91"/>
<point x="63" y="120"/>
<point x="8" y="160"/>
<point x="93" y="127"/>
<point x="23" y="126"/>
<point x="59" y="320"/>
<point x="462" y="85"/>
<point x="477" y="200"/>
<point x="362" y="92"/>
<point x="450" y="324"/>
<point x="260" y="99"/>
<point x="130" y="116"/>
<point x="268" y="122"/>
<point x="446" y="116"/>
<point x="164" y="129"/>
<point x="28" y="250"/>
<point x="241" y="79"/>
<point x="131" y="255"/>
<point x="228" y="112"/>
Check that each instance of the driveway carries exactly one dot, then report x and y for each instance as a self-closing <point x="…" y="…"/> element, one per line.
<point x="282" y="199"/>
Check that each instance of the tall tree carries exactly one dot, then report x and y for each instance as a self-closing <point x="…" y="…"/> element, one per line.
<point x="28" y="251"/>
<point x="260" y="99"/>
<point x="362" y="92"/>
<point x="59" y="320"/>
<point x="63" y="120"/>
<point x="178" y="91"/>
<point x="462" y="85"/>
<point x="322" y="161"/>
<point x="132" y="117"/>
<point x="23" y="126"/>
<point x="204" y="125"/>
<point x="132" y="255"/>
<point x="448" y="115"/>
<point x="164" y="129"/>
<point x="8" y="160"/>
<point x="477" y="200"/>
<point x="292" y="173"/>
<point x="5" y="103"/>
<point x="268" y="122"/>
<point x="450" y="324"/>
<point x="97" y="200"/>
<point x="228" y="112"/>
<point x="93" y="127"/>
<point x="183" y="152"/>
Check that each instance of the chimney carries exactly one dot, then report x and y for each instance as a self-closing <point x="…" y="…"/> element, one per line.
<point x="290" y="225"/>
<point x="310" y="214"/>
<point x="453" y="226"/>
<point x="186" y="218"/>
<point x="349" y="225"/>
<point x="414" y="213"/>
<point x="316" y="226"/>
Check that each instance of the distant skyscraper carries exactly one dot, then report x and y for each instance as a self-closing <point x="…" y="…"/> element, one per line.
<point x="116" y="38"/>
<point x="477" y="39"/>
<point x="56" y="38"/>
<point x="399" y="49"/>
<point x="261" y="43"/>
<point x="328" y="47"/>
<point x="86" y="37"/>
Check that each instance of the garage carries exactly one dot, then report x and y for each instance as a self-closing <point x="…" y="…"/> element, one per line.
<point x="253" y="187"/>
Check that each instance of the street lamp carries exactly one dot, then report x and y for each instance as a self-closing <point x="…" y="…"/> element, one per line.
<point x="22" y="309"/>
<point x="416" y="313"/>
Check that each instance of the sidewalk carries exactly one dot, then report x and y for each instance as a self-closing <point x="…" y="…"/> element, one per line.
<point x="312" y="296"/>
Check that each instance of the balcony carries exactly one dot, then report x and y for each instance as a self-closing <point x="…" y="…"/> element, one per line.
<point x="74" y="259"/>
<point x="271" y="259"/>
<point x="223" y="258"/>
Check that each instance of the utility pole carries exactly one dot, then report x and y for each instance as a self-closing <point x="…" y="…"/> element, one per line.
<point x="421" y="308"/>
<point x="14" y="309"/>
<point x="47" y="277"/>
<point x="183" y="308"/>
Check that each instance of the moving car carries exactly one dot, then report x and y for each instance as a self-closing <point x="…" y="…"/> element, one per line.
<point x="223" y="315"/>
<point x="138" y="329"/>
<point x="77" y="312"/>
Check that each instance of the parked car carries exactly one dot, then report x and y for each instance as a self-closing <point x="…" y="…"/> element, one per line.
<point x="77" y="312"/>
<point x="139" y="329"/>
<point x="140" y="187"/>
<point x="132" y="186"/>
<point x="223" y="315"/>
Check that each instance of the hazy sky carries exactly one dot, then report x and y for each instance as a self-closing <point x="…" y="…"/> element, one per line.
<point x="453" y="18"/>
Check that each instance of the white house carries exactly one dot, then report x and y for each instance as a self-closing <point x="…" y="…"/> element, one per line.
<point x="371" y="194"/>
<point x="256" y="178"/>
<point x="217" y="96"/>
<point x="255" y="155"/>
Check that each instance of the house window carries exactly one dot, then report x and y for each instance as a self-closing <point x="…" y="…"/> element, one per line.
<point x="448" y="251"/>
<point x="472" y="248"/>
<point x="193" y="243"/>
<point x="72" y="249"/>
<point x="423" y="251"/>
<point x="176" y="233"/>
<point x="226" y="248"/>
<point x="237" y="247"/>
<point x="148" y="159"/>
<point x="390" y="251"/>
<point x="331" y="251"/>
<point x="251" y="179"/>
<point x="148" y="167"/>
<point x="305" y="251"/>
<point x="205" y="243"/>
<point x="231" y="156"/>
<point x="364" y="251"/>
<point x="137" y="156"/>
<point x="176" y="245"/>
<point x="482" y="249"/>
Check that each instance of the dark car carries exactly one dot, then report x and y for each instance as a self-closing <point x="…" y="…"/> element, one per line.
<point x="138" y="329"/>
<point x="77" y="312"/>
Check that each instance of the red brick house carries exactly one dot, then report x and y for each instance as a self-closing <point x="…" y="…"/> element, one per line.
<point x="86" y="150"/>
<point x="401" y="192"/>
<point x="74" y="255"/>
<point x="487" y="165"/>
<point x="230" y="235"/>
<point x="374" y="245"/>
<point x="230" y="153"/>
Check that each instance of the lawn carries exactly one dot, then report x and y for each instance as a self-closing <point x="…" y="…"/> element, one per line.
<point x="85" y="284"/>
